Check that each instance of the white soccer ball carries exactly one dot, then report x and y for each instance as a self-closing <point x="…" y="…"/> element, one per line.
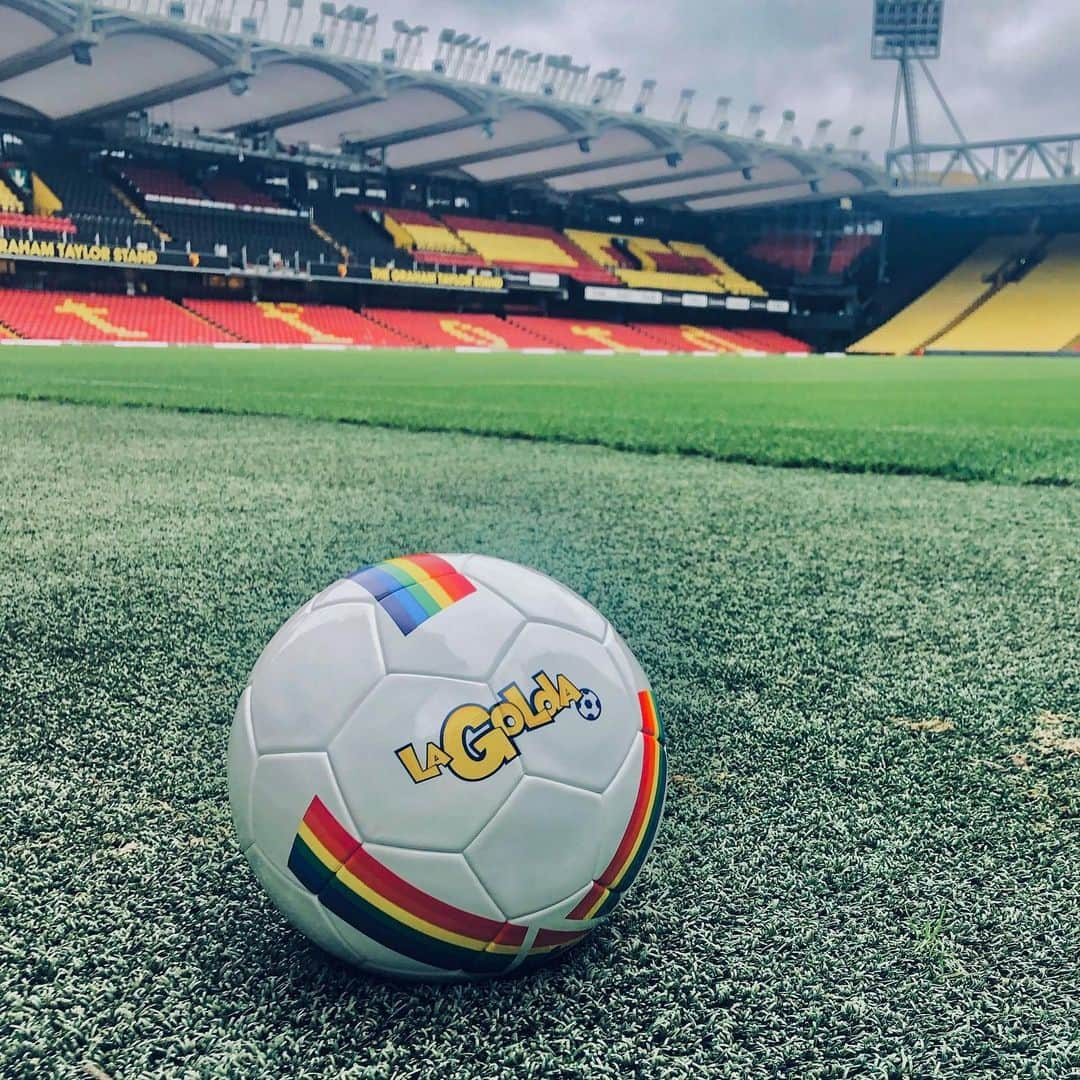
<point x="446" y="767"/>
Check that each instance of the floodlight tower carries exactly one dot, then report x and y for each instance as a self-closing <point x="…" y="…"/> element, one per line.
<point x="909" y="32"/>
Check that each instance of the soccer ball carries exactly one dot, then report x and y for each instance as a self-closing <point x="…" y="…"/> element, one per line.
<point x="446" y="767"/>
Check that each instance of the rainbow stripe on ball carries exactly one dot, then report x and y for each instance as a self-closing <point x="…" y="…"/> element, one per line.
<point x="371" y="898"/>
<point x="634" y="846"/>
<point x="413" y="588"/>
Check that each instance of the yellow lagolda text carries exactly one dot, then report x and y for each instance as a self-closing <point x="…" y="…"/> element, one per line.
<point x="476" y="742"/>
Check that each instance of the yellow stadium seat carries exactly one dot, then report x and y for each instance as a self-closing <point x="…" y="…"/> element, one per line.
<point x="502" y="249"/>
<point x="10" y="203"/>
<point x="729" y="279"/>
<point x="931" y="315"/>
<point x="655" y="279"/>
<point x="1037" y="313"/>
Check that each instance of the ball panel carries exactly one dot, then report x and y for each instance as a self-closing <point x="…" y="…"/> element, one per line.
<point x="632" y="808"/>
<point x="583" y="746"/>
<point x="299" y="906"/>
<point x="329" y="663"/>
<point x="444" y="875"/>
<point x="437" y="811"/>
<point x="342" y="591"/>
<point x="626" y="661"/>
<point x="538" y="849"/>
<point x="280" y="639"/>
<point x="461" y="641"/>
<point x="536" y="595"/>
<point x="242" y="759"/>
<point x="282" y="790"/>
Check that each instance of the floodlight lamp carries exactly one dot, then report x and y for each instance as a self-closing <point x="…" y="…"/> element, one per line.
<point x="80" y="53"/>
<point x="747" y="172"/>
<point x="488" y="128"/>
<point x="673" y="159"/>
<point x="318" y="41"/>
<point x="585" y="145"/>
<point x="238" y="85"/>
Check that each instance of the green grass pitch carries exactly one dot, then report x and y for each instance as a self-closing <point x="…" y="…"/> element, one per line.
<point x="965" y="418"/>
<point x="869" y="862"/>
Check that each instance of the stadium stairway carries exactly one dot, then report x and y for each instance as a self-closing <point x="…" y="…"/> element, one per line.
<point x="442" y="330"/>
<point x="294" y="324"/>
<point x="946" y="304"/>
<point x="60" y="316"/>
<point x="1037" y="312"/>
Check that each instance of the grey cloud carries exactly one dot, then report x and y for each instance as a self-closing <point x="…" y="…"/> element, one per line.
<point x="1006" y="69"/>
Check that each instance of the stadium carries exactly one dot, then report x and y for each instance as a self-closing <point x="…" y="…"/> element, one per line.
<point x="292" y="290"/>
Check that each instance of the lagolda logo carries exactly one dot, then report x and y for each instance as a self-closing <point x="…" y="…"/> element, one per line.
<point x="475" y="742"/>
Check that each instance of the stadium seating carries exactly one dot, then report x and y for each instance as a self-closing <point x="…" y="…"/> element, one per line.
<point x="650" y="263"/>
<point x="790" y="252"/>
<point x="294" y="324"/>
<point x="580" y="335"/>
<point x="228" y="189"/>
<point x="943" y="305"/>
<point x="439" y="330"/>
<point x="686" y="338"/>
<point x="10" y="203"/>
<point x="155" y="183"/>
<point x="1039" y="312"/>
<point x="10" y="222"/>
<point x="96" y="317"/>
<point x="353" y="228"/>
<point x="515" y="246"/>
<point x="418" y="229"/>
<point x="99" y="211"/>
<point x="846" y="249"/>
<point x="238" y="233"/>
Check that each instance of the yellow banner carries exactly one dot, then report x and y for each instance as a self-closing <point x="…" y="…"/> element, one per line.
<point x="80" y="253"/>
<point x="400" y="276"/>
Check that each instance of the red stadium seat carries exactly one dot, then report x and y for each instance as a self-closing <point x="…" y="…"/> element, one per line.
<point x="294" y="324"/>
<point x="580" y="335"/>
<point x="446" y="330"/>
<point x="61" y="316"/>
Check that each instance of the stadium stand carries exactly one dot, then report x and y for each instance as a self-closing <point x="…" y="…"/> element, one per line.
<point x="15" y="222"/>
<point x="60" y="316"/>
<point x="650" y="263"/>
<point x="229" y="189"/>
<point x="157" y="184"/>
<point x="418" y="230"/>
<point x="10" y="203"/>
<point x="846" y="249"/>
<point x="583" y="335"/>
<point x="440" y="330"/>
<point x="730" y="278"/>
<point x="787" y="252"/>
<point x="1038" y="312"/>
<point x="293" y="324"/>
<point x="945" y="304"/>
<point x="518" y="246"/>
<point x="248" y="238"/>
<point x="100" y="212"/>
<point x="351" y="227"/>
<point x="686" y="338"/>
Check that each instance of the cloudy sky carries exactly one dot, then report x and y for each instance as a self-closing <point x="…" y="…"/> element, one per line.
<point x="1008" y="67"/>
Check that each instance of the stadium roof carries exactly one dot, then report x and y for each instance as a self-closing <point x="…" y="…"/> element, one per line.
<point x="491" y="116"/>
